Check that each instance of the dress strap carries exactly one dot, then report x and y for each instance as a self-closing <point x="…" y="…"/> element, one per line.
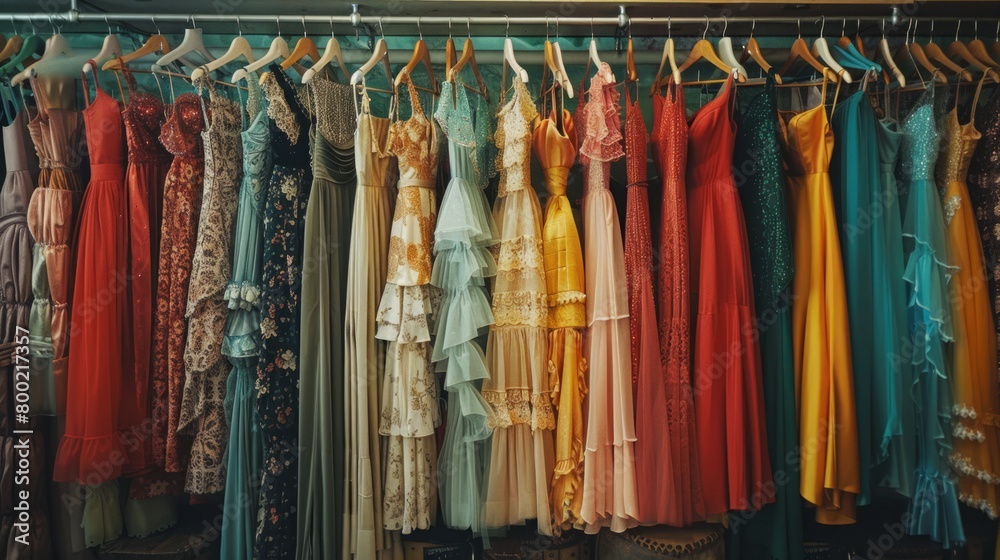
<point x="86" y="84"/>
<point x="975" y="98"/>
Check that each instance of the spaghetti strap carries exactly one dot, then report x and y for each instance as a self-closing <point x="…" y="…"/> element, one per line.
<point x="86" y="84"/>
<point x="975" y="98"/>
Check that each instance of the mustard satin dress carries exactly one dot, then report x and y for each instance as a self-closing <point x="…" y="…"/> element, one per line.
<point x="824" y="380"/>
<point x="554" y="144"/>
<point x="975" y="454"/>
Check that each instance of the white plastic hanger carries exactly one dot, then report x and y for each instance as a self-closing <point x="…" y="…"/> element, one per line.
<point x="192" y="43"/>
<point x="278" y="49"/>
<point x="110" y="49"/>
<point x="726" y="52"/>
<point x="821" y="49"/>
<point x="331" y="53"/>
<point x="668" y="56"/>
<point x="883" y="48"/>
<point x="594" y="57"/>
<point x="508" y="56"/>
<point x="240" y="47"/>
<point x="56" y="47"/>
<point x="379" y="54"/>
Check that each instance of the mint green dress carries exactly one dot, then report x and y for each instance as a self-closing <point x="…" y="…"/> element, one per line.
<point x="463" y="236"/>
<point x="241" y="342"/>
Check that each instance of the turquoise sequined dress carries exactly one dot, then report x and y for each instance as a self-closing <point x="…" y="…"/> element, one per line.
<point x="242" y="338"/>
<point x="934" y="509"/>
<point x="465" y="231"/>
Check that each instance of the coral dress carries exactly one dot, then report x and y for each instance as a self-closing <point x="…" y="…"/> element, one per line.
<point x="100" y="349"/>
<point x="609" y="492"/>
<point x="975" y="455"/>
<point x="554" y="143"/>
<point x="729" y="394"/>
<point x="679" y="492"/>
<point x="830" y="477"/>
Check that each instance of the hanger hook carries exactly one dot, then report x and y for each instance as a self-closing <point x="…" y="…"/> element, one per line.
<point x="305" y="32"/>
<point x="194" y="24"/>
<point x="239" y="27"/>
<point x="957" y="29"/>
<point x="507" y="31"/>
<point x="419" y="30"/>
<point x="669" y="27"/>
<point x="975" y="29"/>
<point x="333" y="33"/>
<point x="843" y="27"/>
<point x="468" y="27"/>
<point x="108" y="24"/>
<point x="277" y="21"/>
<point x="753" y="25"/>
<point x="798" y="24"/>
<point x="14" y="25"/>
<point x="381" y="31"/>
<point x="591" y="28"/>
<point x="822" y="26"/>
<point x="449" y="28"/>
<point x="557" y="27"/>
<point x="883" y="28"/>
<point x="931" y="38"/>
<point x="53" y="24"/>
<point x="725" y="26"/>
<point x="704" y="33"/>
<point x="997" y="38"/>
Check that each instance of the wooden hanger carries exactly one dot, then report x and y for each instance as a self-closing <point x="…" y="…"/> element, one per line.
<point x="821" y="49"/>
<point x="935" y="54"/>
<point x="667" y="56"/>
<point x="726" y="52"/>
<point x="303" y="47"/>
<point x="421" y="54"/>
<point x="978" y="48"/>
<point x="957" y="49"/>
<point x="630" y="72"/>
<point x="912" y="52"/>
<point x="278" y="49"/>
<point x="800" y="50"/>
<point x="192" y="43"/>
<point x="239" y="48"/>
<point x="469" y="57"/>
<point x="703" y="50"/>
<point x="111" y="49"/>
<point x="156" y="44"/>
<point x="10" y="48"/>
<point x="450" y="57"/>
<point x="752" y="51"/>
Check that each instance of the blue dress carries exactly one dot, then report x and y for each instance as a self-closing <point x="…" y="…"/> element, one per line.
<point x="465" y="231"/>
<point x="934" y="508"/>
<point x="241" y="343"/>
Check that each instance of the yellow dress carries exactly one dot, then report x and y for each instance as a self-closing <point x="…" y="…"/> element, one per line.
<point x="975" y="455"/>
<point x="824" y="381"/>
<point x="564" y="279"/>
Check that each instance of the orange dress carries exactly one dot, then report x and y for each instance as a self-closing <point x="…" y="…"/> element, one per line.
<point x="975" y="455"/>
<point x="824" y="381"/>
<point x="554" y="143"/>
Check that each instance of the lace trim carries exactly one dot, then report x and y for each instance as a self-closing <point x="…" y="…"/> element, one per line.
<point x="520" y="255"/>
<point x="278" y="108"/>
<point x="964" y="467"/>
<point x="963" y="411"/>
<point x="982" y="504"/>
<point x="566" y="298"/>
<point x="335" y="117"/>
<point x="516" y="309"/>
<point x="967" y="433"/>
<point x="518" y="406"/>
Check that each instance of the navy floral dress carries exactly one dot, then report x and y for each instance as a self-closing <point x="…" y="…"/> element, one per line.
<point x="277" y="371"/>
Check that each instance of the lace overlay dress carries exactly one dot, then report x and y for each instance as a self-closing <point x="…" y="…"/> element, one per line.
<point x="975" y="454"/>
<point x="522" y="456"/>
<point x="463" y="237"/>
<point x="278" y="365"/>
<point x="410" y="412"/>
<point x="364" y="355"/>
<point x="322" y="434"/>
<point x="206" y="370"/>
<point x="244" y="452"/>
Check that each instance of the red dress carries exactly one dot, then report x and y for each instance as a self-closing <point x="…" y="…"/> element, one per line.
<point x="676" y="498"/>
<point x="148" y="163"/>
<point x="91" y="450"/>
<point x="181" y="135"/>
<point x="729" y="403"/>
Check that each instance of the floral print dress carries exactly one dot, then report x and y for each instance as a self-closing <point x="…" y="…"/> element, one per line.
<point x="277" y="369"/>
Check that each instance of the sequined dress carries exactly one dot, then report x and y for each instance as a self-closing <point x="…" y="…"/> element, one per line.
<point x="518" y="390"/>
<point x="609" y="484"/>
<point x="464" y="234"/>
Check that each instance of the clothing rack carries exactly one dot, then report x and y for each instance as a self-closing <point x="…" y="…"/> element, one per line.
<point x="891" y="20"/>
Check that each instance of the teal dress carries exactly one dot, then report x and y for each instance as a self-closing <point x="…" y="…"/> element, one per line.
<point x="934" y="508"/>
<point x="895" y="454"/>
<point x="775" y="532"/>
<point x="462" y="262"/>
<point x="241" y="342"/>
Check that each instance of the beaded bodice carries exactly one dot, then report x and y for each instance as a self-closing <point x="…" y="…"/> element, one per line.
<point x="144" y="116"/>
<point x="956" y="153"/>
<point x="181" y="132"/>
<point x="920" y="141"/>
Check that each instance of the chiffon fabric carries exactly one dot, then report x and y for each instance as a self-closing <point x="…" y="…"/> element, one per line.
<point x="278" y="370"/>
<point x="554" y="144"/>
<point x="934" y="509"/>
<point x="409" y="409"/>
<point x="522" y="457"/>
<point x="975" y="454"/>
<point x="463" y="237"/>
<point x="728" y="389"/>
<point x="241" y="343"/>
<point x="364" y="355"/>
<point x="824" y="383"/>
<point x="202" y="412"/>
<point x="100" y="340"/>
<point x="57" y="134"/>
<point x="324" y="281"/>
<point x="609" y="485"/>
<point x="775" y="532"/>
<point x="677" y="494"/>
